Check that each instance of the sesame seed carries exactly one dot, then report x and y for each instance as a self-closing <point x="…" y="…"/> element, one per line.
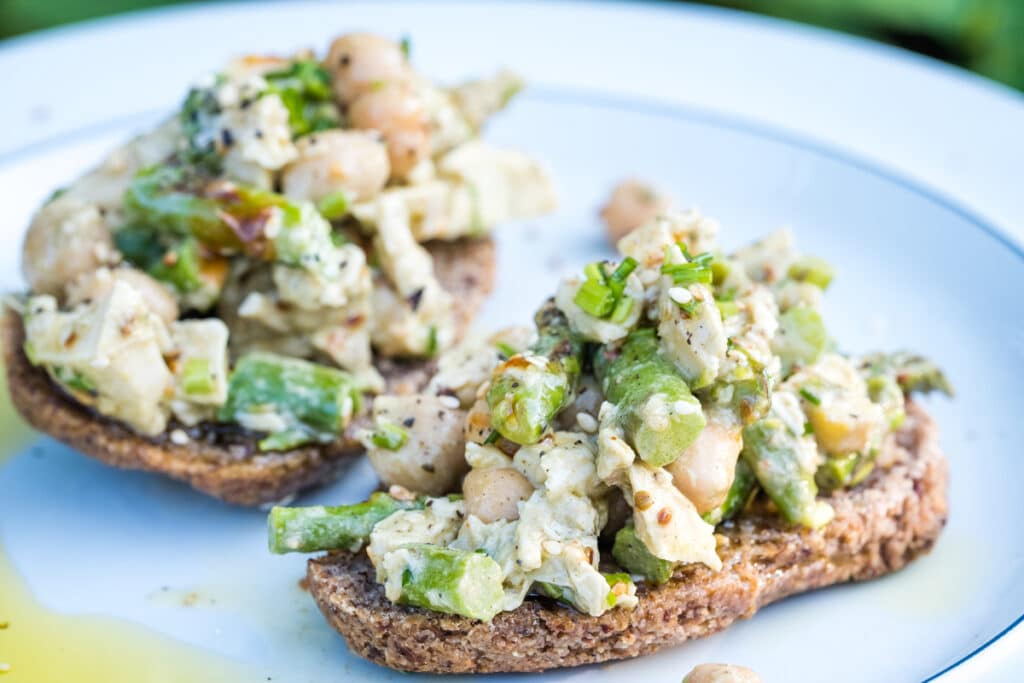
<point x="586" y="422"/>
<point x="680" y="295"/>
<point x="449" y="402"/>
<point x="642" y="500"/>
<point x="179" y="437"/>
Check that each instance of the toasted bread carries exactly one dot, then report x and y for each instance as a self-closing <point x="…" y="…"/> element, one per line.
<point x="879" y="527"/>
<point x="227" y="465"/>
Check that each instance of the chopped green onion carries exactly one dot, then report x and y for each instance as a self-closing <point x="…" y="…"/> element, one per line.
<point x="595" y="298"/>
<point x="704" y="260"/>
<point x="74" y="380"/>
<point x="492" y="437"/>
<point x="338" y="238"/>
<point x="689" y="308"/>
<point x="809" y="396"/>
<point x="195" y="376"/>
<point x="808" y="429"/>
<point x="687" y="273"/>
<point x="719" y="271"/>
<point x="593" y="271"/>
<point x="727" y="308"/>
<point x="816" y="271"/>
<point x="506" y="349"/>
<point x="622" y="310"/>
<point x="333" y="206"/>
<point x="389" y="436"/>
<point x="617" y="280"/>
<point x="432" y="343"/>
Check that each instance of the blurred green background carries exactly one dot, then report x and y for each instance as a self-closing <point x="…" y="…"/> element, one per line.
<point x="986" y="36"/>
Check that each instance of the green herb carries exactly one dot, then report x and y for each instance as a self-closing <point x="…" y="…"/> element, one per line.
<point x="809" y="396"/>
<point x="613" y="581"/>
<point x="506" y="349"/>
<point x="688" y="273"/>
<point x="199" y="107"/>
<point x="305" y="89"/>
<point x="622" y="310"/>
<point x="493" y="437"/>
<point x="389" y="436"/>
<point x="195" y="376"/>
<point x="333" y="206"/>
<point x="74" y="380"/>
<point x="432" y="343"/>
<point x="617" y="280"/>
<point x="595" y="298"/>
<point x="601" y="294"/>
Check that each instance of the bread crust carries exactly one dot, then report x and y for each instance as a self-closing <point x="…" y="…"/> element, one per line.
<point x="879" y="527"/>
<point x="232" y="471"/>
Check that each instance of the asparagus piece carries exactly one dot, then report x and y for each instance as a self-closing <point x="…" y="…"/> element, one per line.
<point x="844" y="471"/>
<point x="913" y="373"/>
<point x="886" y="392"/>
<point x="812" y="269"/>
<point x="220" y="214"/>
<point x="177" y="263"/>
<point x="311" y="529"/>
<point x="749" y="398"/>
<point x="529" y="389"/>
<point x="633" y="556"/>
<point x="453" y="581"/>
<point x="565" y="595"/>
<point x="781" y="462"/>
<point x="744" y="484"/>
<point x="299" y="401"/>
<point x="800" y="339"/>
<point x="659" y="415"/>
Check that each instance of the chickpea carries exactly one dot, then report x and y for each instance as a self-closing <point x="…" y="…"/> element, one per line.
<point x="721" y="673"/>
<point x="353" y="162"/>
<point x="631" y="204"/>
<point x="494" y="493"/>
<point x="705" y="470"/>
<point x="432" y="459"/>
<point x="398" y="115"/>
<point x="359" y="62"/>
<point x="66" y="239"/>
<point x="97" y="284"/>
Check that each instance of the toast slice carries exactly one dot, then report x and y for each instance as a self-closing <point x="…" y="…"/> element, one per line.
<point x="879" y="527"/>
<point x="228" y="465"/>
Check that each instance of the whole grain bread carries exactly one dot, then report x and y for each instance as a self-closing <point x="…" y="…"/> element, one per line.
<point x="879" y="527"/>
<point x="226" y="463"/>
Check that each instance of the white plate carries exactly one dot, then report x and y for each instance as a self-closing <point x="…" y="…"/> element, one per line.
<point x="882" y="163"/>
